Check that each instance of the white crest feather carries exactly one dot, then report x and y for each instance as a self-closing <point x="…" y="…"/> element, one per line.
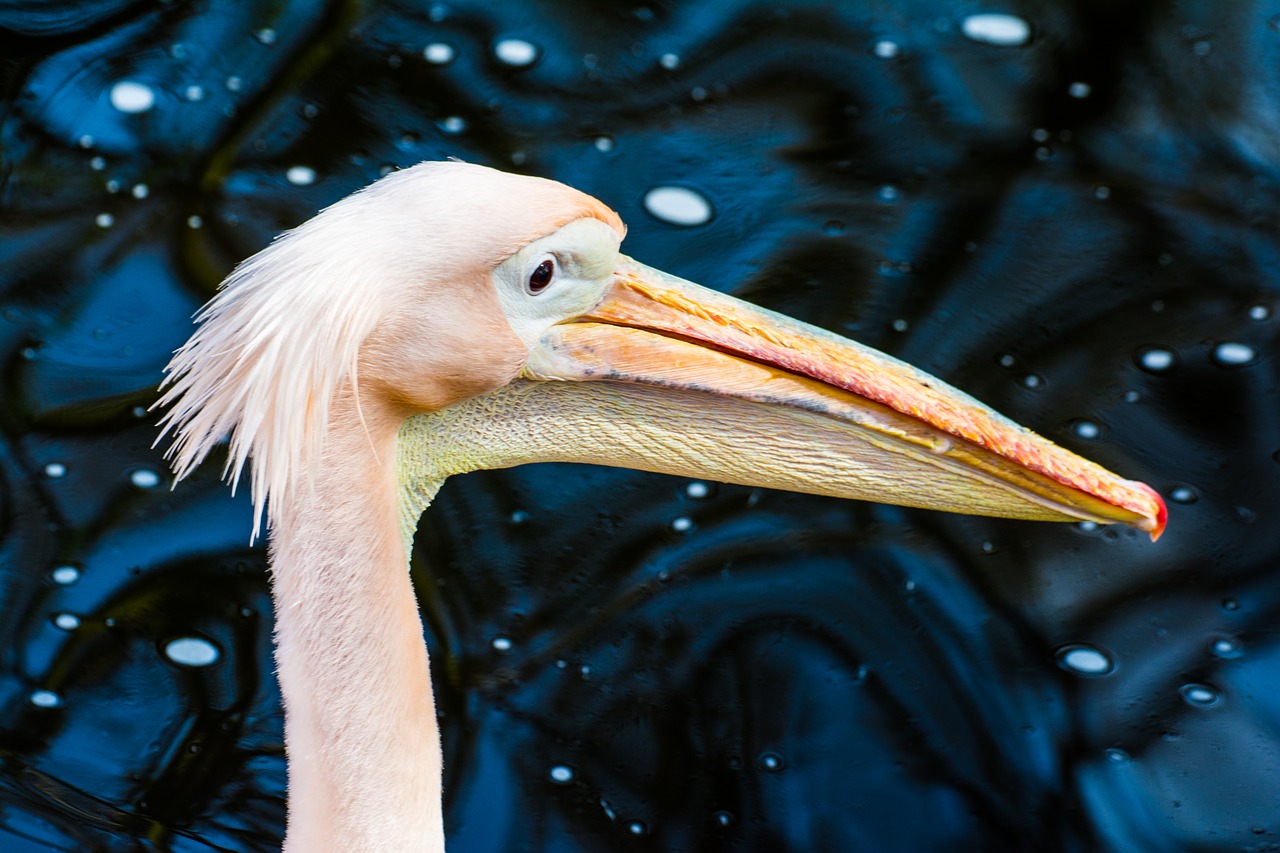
<point x="275" y="343"/>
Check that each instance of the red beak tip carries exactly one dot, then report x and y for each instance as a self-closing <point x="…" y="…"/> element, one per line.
<point x="1162" y="511"/>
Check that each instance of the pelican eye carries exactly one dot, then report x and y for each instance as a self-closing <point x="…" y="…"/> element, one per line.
<point x="541" y="276"/>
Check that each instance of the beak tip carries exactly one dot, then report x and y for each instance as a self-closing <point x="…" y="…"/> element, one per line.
<point x="1153" y="524"/>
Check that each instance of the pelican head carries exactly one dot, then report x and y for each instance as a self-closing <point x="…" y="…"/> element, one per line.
<point x="497" y="316"/>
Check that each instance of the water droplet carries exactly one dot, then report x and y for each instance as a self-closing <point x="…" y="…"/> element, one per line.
<point x="1084" y="659"/>
<point x="517" y="53"/>
<point x="1200" y="695"/>
<point x="45" y="699"/>
<point x="55" y="470"/>
<point x="1225" y="647"/>
<point x="669" y="61"/>
<point x="266" y="35"/>
<point x="1232" y="354"/>
<point x="439" y="53"/>
<point x="1087" y="430"/>
<point x="1032" y="380"/>
<point x="1259" y="312"/>
<point x="300" y="176"/>
<point x="1230" y="604"/>
<point x="145" y="478"/>
<point x="608" y="810"/>
<point x="65" y="575"/>
<point x="997" y="29"/>
<point x="191" y="651"/>
<point x="129" y="96"/>
<point x="1040" y="134"/>
<point x="698" y="490"/>
<point x="988" y="547"/>
<point x="85" y="141"/>
<point x="1183" y="495"/>
<point x="678" y="205"/>
<point x="1088" y="526"/>
<point x="1079" y="90"/>
<point x="1102" y="192"/>
<point x="683" y="524"/>
<point x="98" y="164"/>
<point x="888" y="192"/>
<point x="698" y="93"/>
<point x="899" y="325"/>
<point x="501" y="644"/>
<point x="140" y="191"/>
<point x="604" y="144"/>
<point x="113" y="186"/>
<point x="234" y="83"/>
<point x="194" y="221"/>
<point x="1116" y="756"/>
<point x="584" y="672"/>
<point x="104" y="220"/>
<point x="453" y="124"/>
<point x="1156" y="359"/>
<point x="637" y="827"/>
<point x="886" y="49"/>
<point x="723" y="818"/>
<point x="1202" y="48"/>
<point x="66" y="621"/>
<point x="561" y="774"/>
<point x="1132" y="396"/>
<point x="194" y="93"/>
<point x="771" y="762"/>
<point x="833" y="227"/>
<point x="910" y="586"/>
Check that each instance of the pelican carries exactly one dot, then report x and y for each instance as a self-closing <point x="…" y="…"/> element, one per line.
<point x="450" y="318"/>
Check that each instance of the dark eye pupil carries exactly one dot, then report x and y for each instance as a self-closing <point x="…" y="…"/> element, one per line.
<point x="541" y="277"/>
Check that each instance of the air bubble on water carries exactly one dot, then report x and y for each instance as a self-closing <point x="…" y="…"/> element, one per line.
<point x="1032" y="380"/>
<point x="1087" y="430"/>
<point x="1116" y="756"/>
<point x="234" y="83"/>
<point x="604" y="143"/>
<point x="1156" y="359"/>
<point x="1233" y="354"/>
<point x="1102" y="192"/>
<point x="98" y="164"/>
<point x="637" y="827"/>
<point x="1079" y="90"/>
<point x="584" y="672"/>
<point x="669" y="61"/>
<point x="678" y="205"/>
<point x="682" y="524"/>
<point x="104" y="220"/>
<point x="1183" y="495"/>
<point x="501" y="644"/>
<point x="113" y="186"/>
<point x="266" y="35"/>
<point x="723" y="818"/>
<point x="697" y="490"/>
<point x="996" y="29"/>
<point x="608" y="809"/>
<point x="1225" y="647"/>
<point x="66" y="621"/>
<point x="886" y="49"/>
<point x="899" y="325"/>
<point x="453" y="124"/>
<point x="65" y="575"/>
<point x="140" y="191"/>
<point x="561" y="774"/>
<point x="130" y="96"/>
<point x="300" y="176"/>
<point x="144" y="478"/>
<point x="887" y="193"/>
<point x="439" y="53"/>
<point x="194" y="221"/>
<point x="771" y="762"/>
<point x="194" y="93"/>
<point x="1260" y="312"/>
<point x="45" y="699"/>
<point x="192" y="651"/>
<point x="1084" y="659"/>
<point x="1087" y="526"/>
<point x="517" y="53"/>
<point x="1200" y="695"/>
<point x="55" y="470"/>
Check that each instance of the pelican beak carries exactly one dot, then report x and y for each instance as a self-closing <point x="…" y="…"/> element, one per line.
<point x="811" y="411"/>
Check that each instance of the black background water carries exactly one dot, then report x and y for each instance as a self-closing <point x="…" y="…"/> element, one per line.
<point x="1080" y="230"/>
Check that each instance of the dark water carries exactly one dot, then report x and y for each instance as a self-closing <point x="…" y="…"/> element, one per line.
<point x="1079" y="229"/>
